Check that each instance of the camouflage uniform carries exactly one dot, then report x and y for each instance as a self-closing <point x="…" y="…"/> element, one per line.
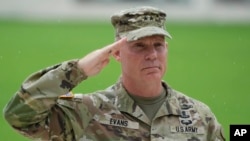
<point x="40" y="112"/>
<point x="45" y="109"/>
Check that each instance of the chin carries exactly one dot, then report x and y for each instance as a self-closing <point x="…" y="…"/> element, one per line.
<point x="154" y="77"/>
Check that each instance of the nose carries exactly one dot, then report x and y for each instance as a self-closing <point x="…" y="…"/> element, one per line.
<point x="151" y="54"/>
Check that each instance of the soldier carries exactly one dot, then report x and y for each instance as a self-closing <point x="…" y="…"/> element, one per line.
<point x="139" y="107"/>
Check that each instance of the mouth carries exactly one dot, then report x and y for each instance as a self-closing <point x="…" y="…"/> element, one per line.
<point x="152" y="67"/>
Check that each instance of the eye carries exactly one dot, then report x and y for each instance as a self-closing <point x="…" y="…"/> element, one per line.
<point x="159" y="45"/>
<point x="139" y="45"/>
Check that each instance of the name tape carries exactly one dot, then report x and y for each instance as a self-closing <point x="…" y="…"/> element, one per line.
<point x="118" y="122"/>
<point x="187" y="129"/>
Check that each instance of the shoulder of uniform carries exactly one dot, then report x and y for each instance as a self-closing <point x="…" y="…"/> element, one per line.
<point x="105" y="96"/>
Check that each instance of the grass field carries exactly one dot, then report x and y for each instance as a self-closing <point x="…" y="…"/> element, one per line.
<point x="209" y="62"/>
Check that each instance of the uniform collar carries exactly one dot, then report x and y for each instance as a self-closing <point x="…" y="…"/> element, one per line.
<point x="126" y="104"/>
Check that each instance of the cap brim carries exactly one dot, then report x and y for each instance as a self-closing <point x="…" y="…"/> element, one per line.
<point x="144" y="32"/>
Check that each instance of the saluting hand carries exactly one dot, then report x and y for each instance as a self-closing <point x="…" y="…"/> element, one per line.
<point x="94" y="62"/>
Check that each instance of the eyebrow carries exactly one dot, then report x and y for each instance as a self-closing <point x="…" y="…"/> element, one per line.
<point x="139" y="43"/>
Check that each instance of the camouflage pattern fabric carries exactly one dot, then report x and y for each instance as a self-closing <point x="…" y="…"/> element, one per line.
<point x="44" y="109"/>
<point x="139" y="22"/>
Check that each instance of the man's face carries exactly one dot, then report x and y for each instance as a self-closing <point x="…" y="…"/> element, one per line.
<point x="144" y="59"/>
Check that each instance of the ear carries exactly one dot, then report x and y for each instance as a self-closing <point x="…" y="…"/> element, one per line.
<point x="166" y="43"/>
<point x="117" y="56"/>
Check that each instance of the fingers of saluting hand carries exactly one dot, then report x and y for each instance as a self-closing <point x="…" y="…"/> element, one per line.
<point x="105" y="52"/>
<point x="112" y="48"/>
<point x="93" y="63"/>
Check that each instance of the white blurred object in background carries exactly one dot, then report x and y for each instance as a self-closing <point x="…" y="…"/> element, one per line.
<point x="177" y="10"/>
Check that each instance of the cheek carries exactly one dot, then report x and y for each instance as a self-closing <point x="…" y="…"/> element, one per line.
<point x="163" y="58"/>
<point x="129" y="60"/>
<point x="166" y="58"/>
<point x="165" y="63"/>
<point x="127" y="55"/>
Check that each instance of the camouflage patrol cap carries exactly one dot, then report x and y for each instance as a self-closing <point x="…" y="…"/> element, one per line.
<point x="140" y="22"/>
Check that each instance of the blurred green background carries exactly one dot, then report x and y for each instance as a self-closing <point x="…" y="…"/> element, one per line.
<point x="207" y="61"/>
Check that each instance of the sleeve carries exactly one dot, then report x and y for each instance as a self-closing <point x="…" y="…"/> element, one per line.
<point x="215" y="129"/>
<point x="34" y="110"/>
<point x="217" y="134"/>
